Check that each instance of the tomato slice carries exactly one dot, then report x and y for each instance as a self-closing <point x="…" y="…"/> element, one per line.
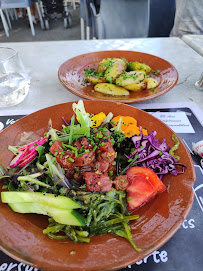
<point x="139" y="191"/>
<point x="143" y="185"/>
<point x="150" y="175"/>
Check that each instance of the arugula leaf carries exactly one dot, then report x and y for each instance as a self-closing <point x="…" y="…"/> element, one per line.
<point x="71" y="129"/>
<point x="117" y="128"/>
<point x="81" y="114"/>
<point x="40" y="150"/>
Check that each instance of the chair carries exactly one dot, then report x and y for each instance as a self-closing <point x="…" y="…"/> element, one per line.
<point x="85" y="18"/>
<point x="73" y="4"/>
<point x="13" y="13"/>
<point x="9" y="4"/>
<point x="5" y="25"/>
<point x="162" y="14"/>
<point x="54" y="10"/>
<point x="121" y="19"/>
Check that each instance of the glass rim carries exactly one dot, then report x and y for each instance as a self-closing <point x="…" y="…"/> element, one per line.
<point x="9" y="57"/>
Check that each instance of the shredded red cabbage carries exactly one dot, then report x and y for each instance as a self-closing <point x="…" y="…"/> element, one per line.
<point x="154" y="155"/>
<point x="67" y="124"/>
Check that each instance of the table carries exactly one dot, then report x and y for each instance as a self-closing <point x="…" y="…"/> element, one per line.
<point x="194" y="41"/>
<point x="43" y="59"/>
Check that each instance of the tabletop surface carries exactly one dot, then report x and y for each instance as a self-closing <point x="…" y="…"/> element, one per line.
<point x="194" y="41"/>
<point x="43" y="59"/>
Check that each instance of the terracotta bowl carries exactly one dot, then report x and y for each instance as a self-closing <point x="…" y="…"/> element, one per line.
<point x="71" y="75"/>
<point x="21" y="235"/>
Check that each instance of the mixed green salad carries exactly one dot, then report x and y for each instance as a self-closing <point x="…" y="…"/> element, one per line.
<point x="90" y="177"/>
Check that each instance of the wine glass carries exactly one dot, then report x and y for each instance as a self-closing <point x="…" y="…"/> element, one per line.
<point x="14" y="79"/>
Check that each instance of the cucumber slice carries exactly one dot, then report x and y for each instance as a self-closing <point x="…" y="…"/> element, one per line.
<point x="39" y="197"/>
<point x="28" y="207"/>
<point x="62" y="216"/>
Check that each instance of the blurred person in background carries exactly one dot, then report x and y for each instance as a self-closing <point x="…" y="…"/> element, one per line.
<point x="33" y="10"/>
<point x="188" y="18"/>
<point x="22" y="12"/>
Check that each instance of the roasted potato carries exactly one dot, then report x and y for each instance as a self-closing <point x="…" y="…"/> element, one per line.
<point x="95" y="80"/>
<point x="151" y="82"/>
<point x="115" y="70"/>
<point x="136" y="66"/>
<point x="132" y="77"/>
<point x="136" y="86"/>
<point x="111" y="89"/>
<point x="104" y="64"/>
<point x="111" y="68"/>
<point x="115" y="76"/>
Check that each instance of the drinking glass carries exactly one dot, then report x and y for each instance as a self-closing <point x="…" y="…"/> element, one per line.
<point x="14" y="79"/>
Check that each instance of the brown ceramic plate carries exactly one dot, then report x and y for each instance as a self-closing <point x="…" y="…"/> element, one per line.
<point x="21" y="235"/>
<point x="71" y="75"/>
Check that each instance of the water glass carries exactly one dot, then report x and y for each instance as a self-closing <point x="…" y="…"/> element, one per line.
<point x="14" y="79"/>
